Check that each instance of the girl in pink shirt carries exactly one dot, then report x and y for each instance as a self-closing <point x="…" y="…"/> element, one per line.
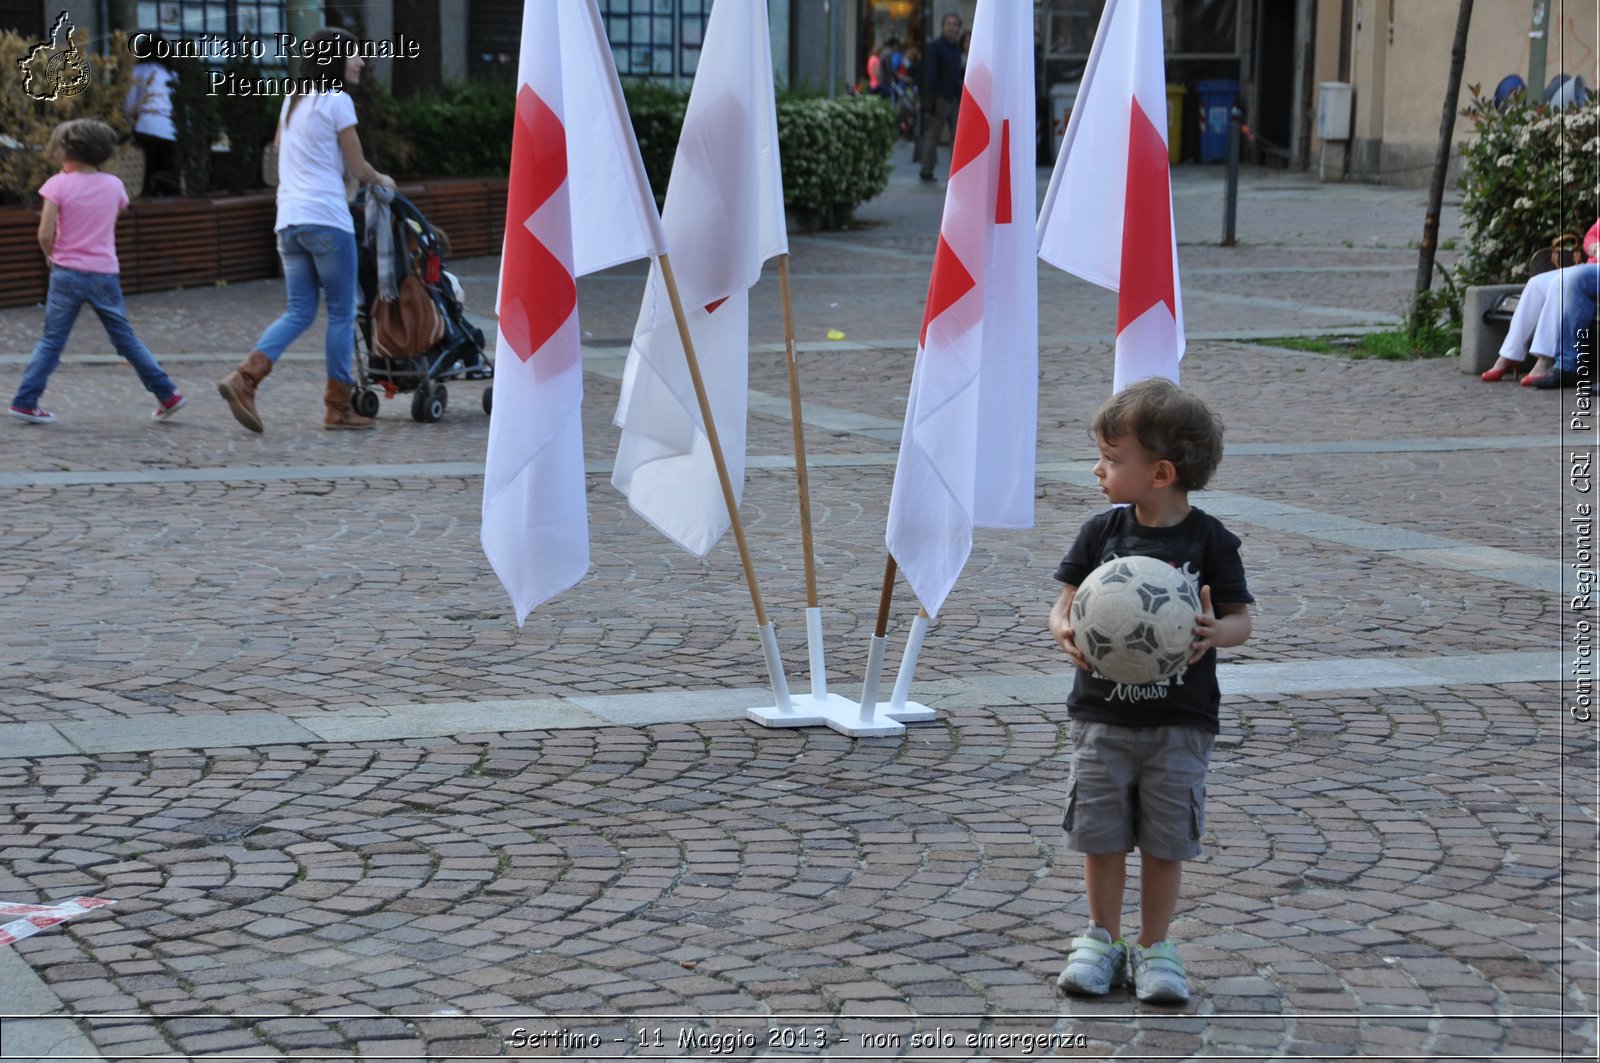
<point x="78" y="234"/>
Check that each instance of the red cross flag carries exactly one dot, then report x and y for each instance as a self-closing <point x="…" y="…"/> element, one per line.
<point x="1108" y="214"/>
<point x="18" y="920"/>
<point x="723" y="218"/>
<point x="967" y="450"/>
<point x="578" y="201"/>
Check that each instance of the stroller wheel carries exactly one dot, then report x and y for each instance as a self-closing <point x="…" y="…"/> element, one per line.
<point x="429" y="402"/>
<point x="365" y="402"/>
<point x="488" y="399"/>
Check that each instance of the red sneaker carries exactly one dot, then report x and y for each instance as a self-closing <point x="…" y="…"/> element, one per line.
<point x="33" y="415"/>
<point x="170" y="406"/>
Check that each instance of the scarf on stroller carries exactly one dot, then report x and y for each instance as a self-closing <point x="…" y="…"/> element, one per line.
<point x="379" y="235"/>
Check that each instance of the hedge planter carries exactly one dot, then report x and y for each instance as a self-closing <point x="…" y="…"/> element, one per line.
<point x="184" y="243"/>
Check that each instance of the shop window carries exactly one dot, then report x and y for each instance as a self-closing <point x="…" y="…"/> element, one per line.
<point x="178" y="19"/>
<point x="655" y="38"/>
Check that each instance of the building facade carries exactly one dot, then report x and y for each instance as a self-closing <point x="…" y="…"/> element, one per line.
<point x="1394" y="55"/>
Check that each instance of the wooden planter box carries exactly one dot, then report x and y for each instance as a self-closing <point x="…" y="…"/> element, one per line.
<point x="184" y="243"/>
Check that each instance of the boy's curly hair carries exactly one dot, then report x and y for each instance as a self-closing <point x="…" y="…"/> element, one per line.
<point x="86" y="140"/>
<point x="1169" y="423"/>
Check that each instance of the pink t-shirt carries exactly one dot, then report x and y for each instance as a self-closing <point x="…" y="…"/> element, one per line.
<point x="86" y="224"/>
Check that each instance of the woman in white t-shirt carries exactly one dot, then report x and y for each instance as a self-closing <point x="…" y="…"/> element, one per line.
<point x="317" y="144"/>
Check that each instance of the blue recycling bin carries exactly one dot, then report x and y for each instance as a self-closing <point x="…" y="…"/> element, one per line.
<point x="1216" y="110"/>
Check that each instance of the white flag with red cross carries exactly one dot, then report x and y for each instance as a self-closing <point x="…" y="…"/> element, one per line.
<point x="967" y="450"/>
<point x="723" y="218"/>
<point x="577" y="201"/>
<point x="1108" y="214"/>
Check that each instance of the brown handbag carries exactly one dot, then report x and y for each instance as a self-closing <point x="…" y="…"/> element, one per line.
<point x="408" y="324"/>
<point x="1562" y="252"/>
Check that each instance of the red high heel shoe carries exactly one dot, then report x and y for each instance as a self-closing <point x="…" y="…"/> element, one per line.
<point x="1491" y="375"/>
<point x="1531" y="381"/>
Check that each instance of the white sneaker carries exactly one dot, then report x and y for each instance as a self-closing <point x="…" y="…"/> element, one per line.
<point x="1156" y="974"/>
<point x="1094" y="965"/>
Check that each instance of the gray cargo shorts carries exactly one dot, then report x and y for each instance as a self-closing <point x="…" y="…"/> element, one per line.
<point x="1141" y="787"/>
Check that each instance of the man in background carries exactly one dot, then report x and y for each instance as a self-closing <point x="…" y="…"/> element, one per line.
<point x="942" y="91"/>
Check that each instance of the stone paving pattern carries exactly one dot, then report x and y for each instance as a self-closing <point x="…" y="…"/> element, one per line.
<point x="1394" y="872"/>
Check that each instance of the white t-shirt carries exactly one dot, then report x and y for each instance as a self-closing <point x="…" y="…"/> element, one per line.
<point x="310" y="164"/>
<point x="150" y="101"/>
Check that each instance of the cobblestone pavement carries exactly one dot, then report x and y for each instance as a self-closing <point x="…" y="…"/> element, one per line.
<point x="266" y="694"/>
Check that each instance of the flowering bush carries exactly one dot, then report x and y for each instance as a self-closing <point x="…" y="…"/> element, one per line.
<point x="1532" y="174"/>
<point x="25" y="123"/>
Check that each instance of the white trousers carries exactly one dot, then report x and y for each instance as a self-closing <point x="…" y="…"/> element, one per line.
<point x="1536" y="323"/>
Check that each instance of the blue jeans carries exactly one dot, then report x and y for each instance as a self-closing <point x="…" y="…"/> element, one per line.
<point x="69" y="290"/>
<point x="1578" y="291"/>
<point x="317" y="257"/>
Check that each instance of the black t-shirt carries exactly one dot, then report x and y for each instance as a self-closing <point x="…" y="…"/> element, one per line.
<point x="1206" y="552"/>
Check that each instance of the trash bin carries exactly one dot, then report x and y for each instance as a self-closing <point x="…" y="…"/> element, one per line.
<point x="1216" y="110"/>
<point x="1063" y="95"/>
<point x="1175" y="95"/>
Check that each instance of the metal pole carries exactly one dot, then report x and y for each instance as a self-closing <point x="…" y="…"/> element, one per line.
<point x="1538" y="48"/>
<point x="1230" y="210"/>
<point x="834" y="79"/>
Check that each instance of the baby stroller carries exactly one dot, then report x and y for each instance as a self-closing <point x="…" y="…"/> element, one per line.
<point x="422" y="338"/>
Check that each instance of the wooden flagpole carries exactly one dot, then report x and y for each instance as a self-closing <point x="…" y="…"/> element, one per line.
<point x="821" y="707"/>
<point x="886" y="596"/>
<point x="769" y="643"/>
<point x="799" y="432"/>
<point x="814" y="637"/>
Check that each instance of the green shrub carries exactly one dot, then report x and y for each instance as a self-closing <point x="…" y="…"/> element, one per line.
<point x="1529" y="177"/>
<point x="657" y="115"/>
<point x="197" y="117"/>
<point x="836" y="152"/>
<point x="384" y="125"/>
<point x="458" y="131"/>
<point x="836" y="155"/>
<point x="250" y="121"/>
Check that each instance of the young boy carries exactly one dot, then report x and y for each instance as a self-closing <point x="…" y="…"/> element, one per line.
<point x="1140" y="753"/>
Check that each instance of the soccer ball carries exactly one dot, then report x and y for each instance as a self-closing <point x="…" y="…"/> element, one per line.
<point x="1134" y="620"/>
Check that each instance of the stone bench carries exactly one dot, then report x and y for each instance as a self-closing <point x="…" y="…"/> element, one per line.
<point x="1484" y="322"/>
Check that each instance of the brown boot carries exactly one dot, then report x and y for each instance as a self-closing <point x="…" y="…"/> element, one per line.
<point x="239" y="388"/>
<point x="340" y="414"/>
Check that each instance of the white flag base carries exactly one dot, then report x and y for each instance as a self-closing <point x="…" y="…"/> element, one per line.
<point x="881" y="719"/>
<point x="899" y="708"/>
<point x="805" y="710"/>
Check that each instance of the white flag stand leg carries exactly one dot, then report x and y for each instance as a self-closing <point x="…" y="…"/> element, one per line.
<point x="866" y="720"/>
<point x="898" y="708"/>
<point x="780" y="685"/>
<point x="806" y="710"/>
<point x="819" y="669"/>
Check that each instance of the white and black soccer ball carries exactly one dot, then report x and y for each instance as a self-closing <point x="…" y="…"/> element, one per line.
<point x="1134" y="620"/>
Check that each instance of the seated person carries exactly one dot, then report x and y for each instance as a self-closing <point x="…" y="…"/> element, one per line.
<point x="1536" y="324"/>
<point x="1580" y="291"/>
